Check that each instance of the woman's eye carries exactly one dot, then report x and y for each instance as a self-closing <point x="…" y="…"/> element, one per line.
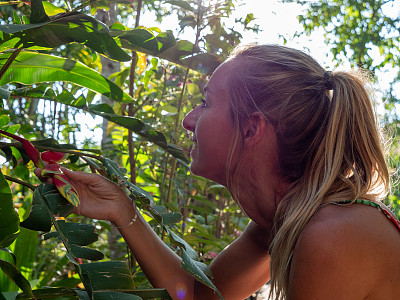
<point x="203" y="102"/>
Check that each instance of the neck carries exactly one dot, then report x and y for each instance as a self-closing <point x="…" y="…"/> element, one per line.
<point x="259" y="197"/>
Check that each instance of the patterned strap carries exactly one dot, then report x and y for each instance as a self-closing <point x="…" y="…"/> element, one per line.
<point x="377" y="205"/>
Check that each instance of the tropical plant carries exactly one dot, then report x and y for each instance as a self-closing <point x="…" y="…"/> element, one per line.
<point x="51" y="57"/>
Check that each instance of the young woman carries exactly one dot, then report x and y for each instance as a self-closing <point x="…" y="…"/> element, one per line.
<point x="299" y="149"/>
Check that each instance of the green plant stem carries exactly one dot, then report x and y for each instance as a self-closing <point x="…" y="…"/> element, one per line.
<point x="63" y="239"/>
<point x="76" y="152"/>
<point x="131" y="146"/>
<point x="24" y="183"/>
<point x="177" y="120"/>
<point x="131" y="113"/>
<point x="9" y="61"/>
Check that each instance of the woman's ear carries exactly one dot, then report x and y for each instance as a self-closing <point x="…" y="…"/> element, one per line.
<point x="254" y="128"/>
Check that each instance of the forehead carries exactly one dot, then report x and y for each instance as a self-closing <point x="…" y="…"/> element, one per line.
<point x="219" y="79"/>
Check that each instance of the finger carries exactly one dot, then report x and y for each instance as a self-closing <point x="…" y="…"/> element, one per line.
<point x="77" y="210"/>
<point x="38" y="173"/>
<point x="87" y="178"/>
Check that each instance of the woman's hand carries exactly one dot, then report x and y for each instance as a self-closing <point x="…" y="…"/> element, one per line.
<point x="100" y="198"/>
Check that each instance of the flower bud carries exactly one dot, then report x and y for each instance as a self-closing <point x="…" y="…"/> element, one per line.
<point x="66" y="189"/>
<point x="53" y="157"/>
<point x="30" y="150"/>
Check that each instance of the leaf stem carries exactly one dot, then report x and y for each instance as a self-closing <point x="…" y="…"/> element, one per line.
<point x="24" y="183"/>
<point x="76" y="152"/>
<point x="9" y="61"/>
<point x="177" y="121"/>
<point x="131" y="111"/>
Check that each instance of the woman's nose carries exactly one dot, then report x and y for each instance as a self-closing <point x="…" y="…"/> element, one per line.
<point x="189" y="122"/>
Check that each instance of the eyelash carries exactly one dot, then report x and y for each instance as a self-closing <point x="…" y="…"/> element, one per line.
<point x="203" y="102"/>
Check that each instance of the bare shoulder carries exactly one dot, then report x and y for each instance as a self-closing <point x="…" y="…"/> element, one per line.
<point x="350" y="252"/>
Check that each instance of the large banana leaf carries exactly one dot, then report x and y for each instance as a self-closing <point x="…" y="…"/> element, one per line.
<point x="69" y="27"/>
<point x="9" y="220"/>
<point x="15" y="275"/>
<point x="62" y="29"/>
<point x="25" y="249"/>
<point x="165" y="46"/>
<point x="37" y="12"/>
<point x="33" y="68"/>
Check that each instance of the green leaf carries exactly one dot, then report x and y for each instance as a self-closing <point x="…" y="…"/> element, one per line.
<point x="8" y="295"/>
<point x="9" y="219"/>
<point x="86" y="253"/>
<point x="140" y="128"/>
<point x="38" y="14"/>
<point x="190" y="266"/>
<point x="7" y="152"/>
<point x="171" y="218"/>
<point x="25" y="249"/>
<point x="4" y="3"/>
<point x="107" y="276"/>
<point x="5" y="283"/>
<point x="16" y="18"/>
<point x="67" y="97"/>
<point x="82" y="295"/>
<point x="58" y="205"/>
<point x="181" y="3"/>
<point x="52" y="234"/>
<point x="14" y="257"/>
<point x="78" y="233"/>
<point x="33" y="68"/>
<point x="4" y="94"/>
<point x="201" y="62"/>
<point x="114" y="173"/>
<point x="152" y="294"/>
<point x="165" y="46"/>
<point x="181" y="243"/>
<point x="14" y="28"/>
<point x="140" y="39"/>
<point x="49" y="293"/>
<point x="4" y="120"/>
<point x="114" y="295"/>
<point x="105" y="111"/>
<point x="12" y="272"/>
<point x="63" y="29"/>
<point x="51" y="9"/>
<point x="39" y="218"/>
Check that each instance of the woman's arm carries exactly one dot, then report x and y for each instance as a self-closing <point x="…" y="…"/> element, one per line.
<point x="239" y="270"/>
<point x="242" y="268"/>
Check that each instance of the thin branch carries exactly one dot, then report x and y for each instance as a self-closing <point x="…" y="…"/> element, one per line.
<point x="177" y="121"/>
<point x="76" y="152"/>
<point x="24" y="183"/>
<point x="9" y="61"/>
<point x="131" y="111"/>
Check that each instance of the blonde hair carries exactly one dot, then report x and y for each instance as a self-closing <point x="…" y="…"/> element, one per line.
<point x="329" y="146"/>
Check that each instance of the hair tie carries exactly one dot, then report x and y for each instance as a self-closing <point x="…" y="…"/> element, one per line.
<point x="327" y="80"/>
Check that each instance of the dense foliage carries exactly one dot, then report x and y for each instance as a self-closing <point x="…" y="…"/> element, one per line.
<point x="84" y="78"/>
<point x="51" y="76"/>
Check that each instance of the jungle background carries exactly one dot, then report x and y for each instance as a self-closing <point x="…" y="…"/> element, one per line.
<point x="109" y="82"/>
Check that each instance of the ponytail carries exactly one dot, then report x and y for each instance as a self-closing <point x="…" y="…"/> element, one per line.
<point x="329" y="146"/>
